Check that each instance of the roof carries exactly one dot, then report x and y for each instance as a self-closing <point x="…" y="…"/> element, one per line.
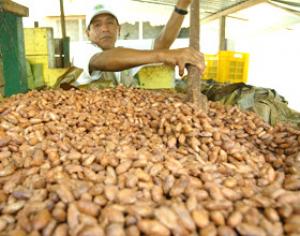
<point x="213" y="9"/>
<point x="207" y="7"/>
<point x="157" y="12"/>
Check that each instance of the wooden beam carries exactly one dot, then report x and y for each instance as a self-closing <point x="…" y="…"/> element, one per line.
<point x="62" y="19"/>
<point x="222" y="36"/>
<point x="293" y="4"/>
<point x="275" y="4"/>
<point x="12" y="7"/>
<point x="194" y="83"/>
<point x="194" y="86"/>
<point x="231" y="10"/>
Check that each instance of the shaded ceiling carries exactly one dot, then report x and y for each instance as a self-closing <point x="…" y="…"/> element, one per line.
<point x="290" y="5"/>
<point x="211" y="8"/>
<point x="207" y="7"/>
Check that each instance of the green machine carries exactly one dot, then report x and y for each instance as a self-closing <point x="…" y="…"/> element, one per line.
<point x="12" y="55"/>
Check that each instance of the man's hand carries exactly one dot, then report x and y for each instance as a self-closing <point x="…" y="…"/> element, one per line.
<point x="183" y="4"/>
<point x="182" y="57"/>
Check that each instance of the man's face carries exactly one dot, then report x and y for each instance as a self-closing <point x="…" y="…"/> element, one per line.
<point x="103" y="31"/>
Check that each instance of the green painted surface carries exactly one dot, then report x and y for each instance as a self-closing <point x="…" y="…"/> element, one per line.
<point x="13" y="55"/>
<point x="66" y="51"/>
<point x="1" y="78"/>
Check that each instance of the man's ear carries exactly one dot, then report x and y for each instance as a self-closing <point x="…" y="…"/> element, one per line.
<point x="119" y="30"/>
<point x="87" y="31"/>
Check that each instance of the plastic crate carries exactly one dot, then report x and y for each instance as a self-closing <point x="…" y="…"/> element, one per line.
<point x="227" y="67"/>
<point x="42" y="73"/>
<point x="156" y="77"/>
<point x="211" y="70"/>
<point x="39" y="41"/>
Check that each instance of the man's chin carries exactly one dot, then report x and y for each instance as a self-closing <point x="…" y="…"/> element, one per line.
<point x="106" y="46"/>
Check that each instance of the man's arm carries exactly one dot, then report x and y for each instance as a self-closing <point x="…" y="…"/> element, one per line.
<point x="171" y="30"/>
<point x="118" y="59"/>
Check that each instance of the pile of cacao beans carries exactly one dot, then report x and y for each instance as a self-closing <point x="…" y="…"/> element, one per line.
<point x="129" y="162"/>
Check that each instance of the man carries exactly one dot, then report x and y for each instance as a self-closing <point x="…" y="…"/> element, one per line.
<point x="102" y="57"/>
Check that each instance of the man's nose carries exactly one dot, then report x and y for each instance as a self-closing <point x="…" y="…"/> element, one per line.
<point x="104" y="27"/>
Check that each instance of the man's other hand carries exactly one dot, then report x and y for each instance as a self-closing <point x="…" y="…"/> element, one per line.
<point x="182" y="57"/>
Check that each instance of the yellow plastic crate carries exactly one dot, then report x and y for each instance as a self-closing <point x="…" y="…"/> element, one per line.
<point x="39" y="41"/>
<point x="211" y="62"/>
<point x="227" y="67"/>
<point x="156" y="77"/>
<point x="50" y="75"/>
<point x="53" y="74"/>
<point x="43" y="62"/>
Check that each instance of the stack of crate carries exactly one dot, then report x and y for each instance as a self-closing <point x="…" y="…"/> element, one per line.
<point x="227" y="67"/>
<point x="40" y="52"/>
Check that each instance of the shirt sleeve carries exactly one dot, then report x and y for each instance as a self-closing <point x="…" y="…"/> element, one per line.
<point x="84" y="55"/>
<point x="82" y="60"/>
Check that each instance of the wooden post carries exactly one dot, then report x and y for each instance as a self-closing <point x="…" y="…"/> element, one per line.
<point x="194" y="76"/>
<point x="222" y="44"/>
<point x="65" y="41"/>
<point x="62" y="19"/>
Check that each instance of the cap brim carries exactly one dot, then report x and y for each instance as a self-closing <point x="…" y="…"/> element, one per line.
<point x="102" y="12"/>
